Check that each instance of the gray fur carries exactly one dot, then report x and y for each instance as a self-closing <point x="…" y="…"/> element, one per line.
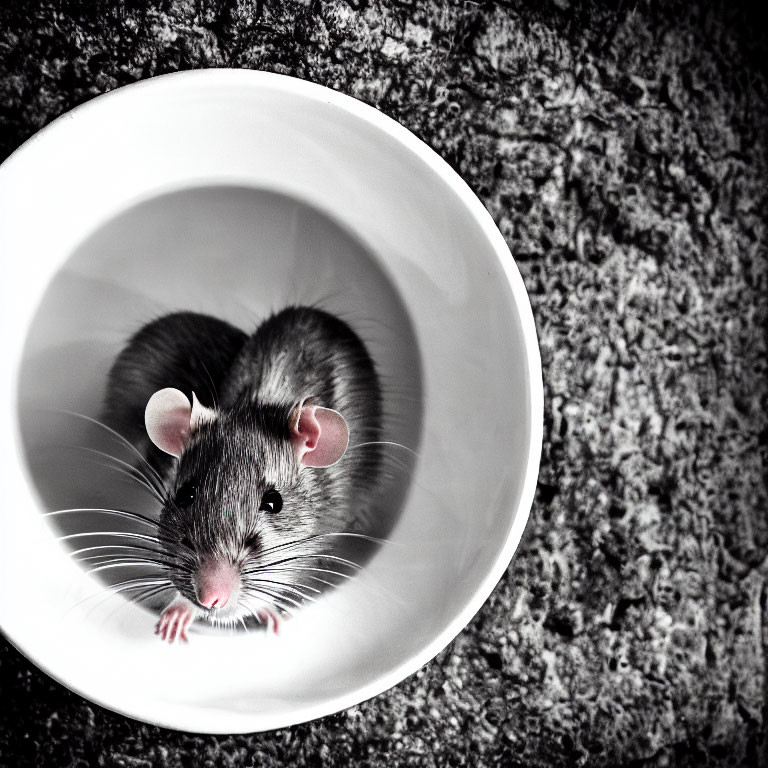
<point x="299" y="354"/>
<point x="185" y="350"/>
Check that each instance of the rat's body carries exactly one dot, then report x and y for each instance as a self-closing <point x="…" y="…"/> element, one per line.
<point x="263" y="472"/>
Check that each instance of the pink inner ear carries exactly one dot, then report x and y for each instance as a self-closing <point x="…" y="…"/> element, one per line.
<point x="167" y="418"/>
<point x="319" y="436"/>
<point x="305" y="432"/>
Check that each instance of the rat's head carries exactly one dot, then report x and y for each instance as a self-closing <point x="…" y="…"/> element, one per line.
<point x="244" y="497"/>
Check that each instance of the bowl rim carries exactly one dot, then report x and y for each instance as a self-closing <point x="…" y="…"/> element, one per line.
<point x="246" y="78"/>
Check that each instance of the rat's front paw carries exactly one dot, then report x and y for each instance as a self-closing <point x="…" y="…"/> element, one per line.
<point x="175" y="619"/>
<point x="270" y="619"/>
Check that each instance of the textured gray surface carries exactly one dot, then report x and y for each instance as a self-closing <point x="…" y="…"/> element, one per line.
<point x="622" y="152"/>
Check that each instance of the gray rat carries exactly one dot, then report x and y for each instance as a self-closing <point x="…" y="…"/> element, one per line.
<point x="259" y="480"/>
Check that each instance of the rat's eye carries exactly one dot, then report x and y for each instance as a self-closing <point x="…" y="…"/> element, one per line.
<point x="271" y="501"/>
<point x="185" y="495"/>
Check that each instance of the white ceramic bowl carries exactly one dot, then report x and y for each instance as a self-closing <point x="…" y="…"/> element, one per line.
<point x="233" y="192"/>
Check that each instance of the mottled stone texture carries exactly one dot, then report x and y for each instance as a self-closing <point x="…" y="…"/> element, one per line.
<point x="622" y="152"/>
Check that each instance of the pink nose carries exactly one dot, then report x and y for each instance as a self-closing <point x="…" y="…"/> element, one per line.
<point x="215" y="583"/>
<point x="214" y="598"/>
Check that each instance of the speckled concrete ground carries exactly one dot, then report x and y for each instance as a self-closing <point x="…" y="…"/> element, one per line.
<point x="622" y="152"/>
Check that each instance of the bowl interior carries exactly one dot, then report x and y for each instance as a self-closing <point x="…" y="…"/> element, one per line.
<point x="239" y="254"/>
<point x="236" y="193"/>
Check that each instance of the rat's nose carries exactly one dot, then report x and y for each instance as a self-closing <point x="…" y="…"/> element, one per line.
<point x="214" y="598"/>
<point x="215" y="583"/>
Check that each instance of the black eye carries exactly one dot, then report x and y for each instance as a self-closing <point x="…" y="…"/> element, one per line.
<point x="185" y="542"/>
<point x="185" y="495"/>
<point x="271" y="501"/>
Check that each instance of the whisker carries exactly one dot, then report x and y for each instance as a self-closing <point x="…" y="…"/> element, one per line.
<point x="107" y="511"/>
<point x="128" y="584"/>
<point x="212" y="388"/>
<point x="301" y="569"/>
<point x="125" y="564"/>
<point x="139" y="598"/>
<point x="310" y="556"/>
<point x="384" y="442"/>
<point x="160" y="538"/>
<point x="119" y="588"/>
<point x="283" y="585"/>
<point x="268" y="602"/>
<point x="399" y="462"/>
<point x="284" y="545"/>
<point x="271" y="599"/>
<point x="120" y="437"/>
<point x="321" y="581"/>
<point x="118" y="534"/>
<point x="151" y="593"/>
<point x="275" y="595"/>
<point x="155" y="495"/>
<point x="316" y="537"/>
<point x="353" y="535"/>
<point x="131" y="547"/>
<point x="163" y="560"/>
<point x="132" y="471"/>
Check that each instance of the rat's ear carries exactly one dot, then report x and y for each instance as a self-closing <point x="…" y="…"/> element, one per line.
<point x="319" y="435"/>
<point x="169" y="419"/>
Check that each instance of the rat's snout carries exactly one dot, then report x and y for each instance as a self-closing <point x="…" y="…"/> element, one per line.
<point x="215" y="582"/>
